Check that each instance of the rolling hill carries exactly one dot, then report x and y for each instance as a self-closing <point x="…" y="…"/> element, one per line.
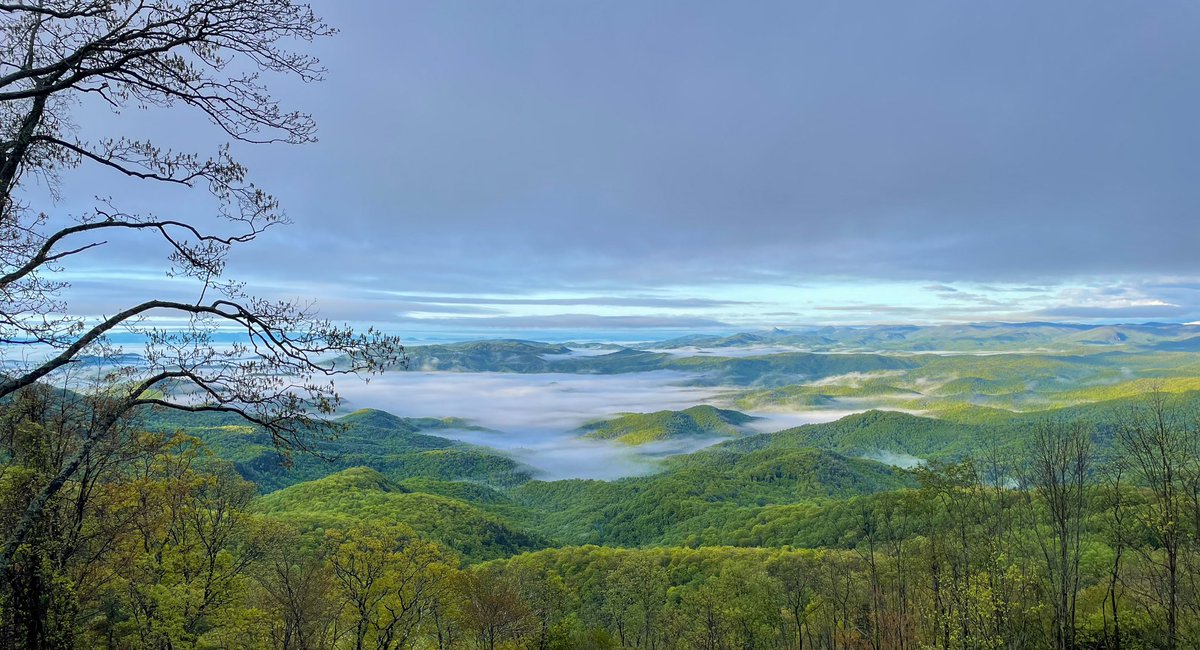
<point x="696" y="422"/>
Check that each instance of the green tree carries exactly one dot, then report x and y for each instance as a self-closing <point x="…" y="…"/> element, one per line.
<point x="1158" y="446"/>
<point x="634" y="595"/>
<point x="61" y="563"/>
<point x="796" y="574"/>
<point x="491" y="609"/>
<point x="1056" y="492"/>
<point x="298" y="586"/>
<point x="185" y="565"/>
<point x="390" y="582"/>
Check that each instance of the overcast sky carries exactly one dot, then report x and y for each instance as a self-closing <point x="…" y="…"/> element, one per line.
<point x="649" y="166"/>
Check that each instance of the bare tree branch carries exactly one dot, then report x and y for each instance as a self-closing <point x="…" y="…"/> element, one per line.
<point x="207" y="58"/>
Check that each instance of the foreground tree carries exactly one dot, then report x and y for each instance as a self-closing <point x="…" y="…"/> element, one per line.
<point x="37" y="595"/>
<point x="185" y="565"/>
<point x="491" y="609"/>
<point x="208" y="56"/>
<point x="298" y="587"/>
<point x="1056" y="494"/>
<point x="389" y="582"/>
<point x="1158" y="446"/>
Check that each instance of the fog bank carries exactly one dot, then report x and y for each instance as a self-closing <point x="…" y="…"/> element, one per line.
<point x="534" y="417"/>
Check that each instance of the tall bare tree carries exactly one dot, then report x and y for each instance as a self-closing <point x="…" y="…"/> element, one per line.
<point x="206" y="59"/>
<point x="1056" y="479"/>
<point x="1158" y="446"/>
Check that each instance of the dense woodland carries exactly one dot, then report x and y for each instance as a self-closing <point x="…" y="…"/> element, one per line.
<point x="1089" y="539"/>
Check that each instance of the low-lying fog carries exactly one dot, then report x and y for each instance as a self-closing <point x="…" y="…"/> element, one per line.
<point x="731" y="351"/>
<point x="535" y="416"/>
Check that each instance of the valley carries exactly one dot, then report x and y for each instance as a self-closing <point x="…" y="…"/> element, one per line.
<point x="730" y="469"/>
<point x="627" y="449"/>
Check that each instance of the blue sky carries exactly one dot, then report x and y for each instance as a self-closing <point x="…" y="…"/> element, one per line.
<point x="672" y="166"/>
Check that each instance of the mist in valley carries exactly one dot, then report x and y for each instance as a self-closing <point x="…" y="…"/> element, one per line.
<point x="535" y="418"/>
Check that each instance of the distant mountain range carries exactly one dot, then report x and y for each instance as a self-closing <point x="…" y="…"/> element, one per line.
<point x="810" y="367"/>
<point x="533" y="357"/>
<point x="975" y="337"/>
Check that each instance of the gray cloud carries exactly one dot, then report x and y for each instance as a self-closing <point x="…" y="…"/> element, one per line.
<point x="977" y="299"/>
<point x="609" y="149"/>
<point x="599" y="301"/>
<point x="877" y="307"/>
<point x="572" y="321"/>
<point x="582" y="142"/>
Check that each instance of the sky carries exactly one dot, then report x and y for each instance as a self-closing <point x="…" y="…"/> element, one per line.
<point x="649" y="168"/>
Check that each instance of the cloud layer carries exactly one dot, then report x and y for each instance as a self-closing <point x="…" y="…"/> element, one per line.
<point x="643" y="162"/>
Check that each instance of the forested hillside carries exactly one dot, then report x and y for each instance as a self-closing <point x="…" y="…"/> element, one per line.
<point x="1076" y="521"/>
<point x="1017" y="500"/>
<point x="697" y="421"/>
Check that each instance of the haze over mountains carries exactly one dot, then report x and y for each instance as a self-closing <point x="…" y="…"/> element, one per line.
<point x="605" y="410"/>
<point x="504" y="439"/>
<point x="572" y="410"/>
